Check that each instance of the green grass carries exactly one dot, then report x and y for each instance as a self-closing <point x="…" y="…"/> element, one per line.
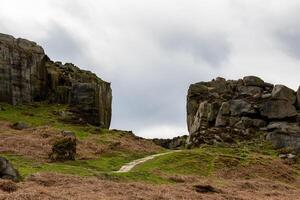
<point x="200" y="162"/>
<point x="41" y="114"/>
<point x="104" y="164"/>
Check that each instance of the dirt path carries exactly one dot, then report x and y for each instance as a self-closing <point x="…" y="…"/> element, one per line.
<point x="131" y="165"/>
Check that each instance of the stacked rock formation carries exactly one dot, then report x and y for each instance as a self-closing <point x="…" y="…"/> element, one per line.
<point x="228" y="110"/>
<point x="28" y="75"/>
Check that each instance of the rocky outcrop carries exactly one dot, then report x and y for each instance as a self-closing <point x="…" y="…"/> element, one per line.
<point x="229" y="110"/>
<point x="174" y="143"/>
<point x="28" y="75"/>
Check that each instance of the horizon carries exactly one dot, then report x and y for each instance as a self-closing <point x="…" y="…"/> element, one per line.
<point x="163" y="49"/>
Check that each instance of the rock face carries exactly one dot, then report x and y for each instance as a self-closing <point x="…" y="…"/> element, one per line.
<point x="226" y="111"/>
<point x="28" y="75"/>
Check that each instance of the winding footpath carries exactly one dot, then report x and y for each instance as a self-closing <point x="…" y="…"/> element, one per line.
<point x="129" y="166"/>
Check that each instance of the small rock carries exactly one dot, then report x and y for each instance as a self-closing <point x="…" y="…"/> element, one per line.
<point x="287" y="156"/>
<point x="68" y="134"/>
<point x="20" y="126"/>
<point x="205" y="189"/>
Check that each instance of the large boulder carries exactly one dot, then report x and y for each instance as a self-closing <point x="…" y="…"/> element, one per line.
<point x="240" y="107"/>
<point x="284" y="135"/>
<point x="278" y="109"/>
<point x="282" y="92"/>
<point x="250" y="90"/>
<point x="28" y="75"/>
<point x="7" y="171"/>
<point x="253" y="81"/>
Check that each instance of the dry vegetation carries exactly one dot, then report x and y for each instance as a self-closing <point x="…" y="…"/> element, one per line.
<point x="36" y="143"/>
<point x="55" y="186"/>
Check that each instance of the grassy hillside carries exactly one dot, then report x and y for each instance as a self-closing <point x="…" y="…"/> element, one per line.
<point x="101" y="152"/>
<point x="248" y="161"/>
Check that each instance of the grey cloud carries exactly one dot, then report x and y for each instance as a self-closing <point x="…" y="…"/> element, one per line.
<point x="213" y="48"/>
<point x="62" y="45"/>
<point x="290" y="39"/>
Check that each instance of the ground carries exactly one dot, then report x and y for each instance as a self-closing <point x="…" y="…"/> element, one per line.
<point x="243" y="171"/>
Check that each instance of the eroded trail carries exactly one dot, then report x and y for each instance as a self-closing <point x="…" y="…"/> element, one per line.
<point x="131" y="165"/>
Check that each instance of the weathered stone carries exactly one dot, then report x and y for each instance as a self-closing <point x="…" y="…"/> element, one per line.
<point x="298" y="98"/>
<point x="285" y="140"/>
<point x="28" y="75"/>
<point x="253" y="81"/>
<point x="266" y="96"/>
<point x="233" y="121"/>
<point x="213" y="110"/>
<point x="200" y="119"/>
<point x="225" y="109"/>
<point x="222" y="121"/>
<point x="278" y="109"/>
<point x="239" y="107"/>
<point x="244" y="123"/>
<point x="250" y="90"/>
<point x="7" y="171"/>
<point x="282" y="92"/>
<point x="284" y="127"/>
<point x="223" y="115"/>
<point x="258" y="123"/>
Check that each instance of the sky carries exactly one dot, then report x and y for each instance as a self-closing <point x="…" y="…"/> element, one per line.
<point x="151" y="51"/>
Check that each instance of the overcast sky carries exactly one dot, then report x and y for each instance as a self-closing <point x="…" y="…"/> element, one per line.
<point x="153" y="50"/>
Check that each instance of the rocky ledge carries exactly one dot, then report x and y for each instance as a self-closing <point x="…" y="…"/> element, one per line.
<point x="230" y="110"/>
<point x="28" y="75"/>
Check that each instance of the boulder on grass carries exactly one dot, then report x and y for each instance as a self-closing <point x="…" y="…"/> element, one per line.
<point x="64" y="149"/>
<point x="7" y="171"/>
<point x="20" y="126"/>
